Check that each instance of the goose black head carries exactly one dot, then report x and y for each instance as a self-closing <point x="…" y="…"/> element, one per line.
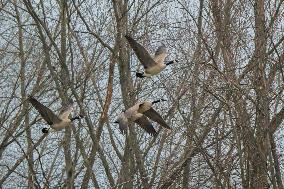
<point x="140" y="75"/>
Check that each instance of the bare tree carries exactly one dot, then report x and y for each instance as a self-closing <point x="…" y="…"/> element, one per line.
<point x="224" y="95"/>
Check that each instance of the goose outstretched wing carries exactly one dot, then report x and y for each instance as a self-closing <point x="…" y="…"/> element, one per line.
<point x="66" y="110"/>
<point x="141" y="53"/>
<point x="44" y="111"/>
<point x="146" y="125"/>
<point x="155" y="116"/>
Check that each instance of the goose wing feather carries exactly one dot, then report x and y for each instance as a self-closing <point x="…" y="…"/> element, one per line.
<point x="141" y="53"/>
<point x="123" y="123"/>
<point x="65" y="111"/>
<point x="146" y="125"/>
<point x="155" y="116"/>
<point x="44" y="111"/>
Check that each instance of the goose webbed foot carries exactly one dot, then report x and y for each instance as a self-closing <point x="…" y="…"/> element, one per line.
<point x="45" y="130"/>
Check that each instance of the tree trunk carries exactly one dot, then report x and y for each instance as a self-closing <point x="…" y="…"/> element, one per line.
<point x="259" y="157"/>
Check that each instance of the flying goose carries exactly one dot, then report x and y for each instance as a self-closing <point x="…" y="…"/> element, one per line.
<point x="152" y="66"/>
<point x="139" y="113"/>
<point x="138" y="118"/>
<point x="57" y="123"/>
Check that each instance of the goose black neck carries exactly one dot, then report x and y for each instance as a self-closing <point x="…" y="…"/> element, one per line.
<point x="170" y="62"/>
<point x="77" y="117"/>
<point x="156" y="101"/>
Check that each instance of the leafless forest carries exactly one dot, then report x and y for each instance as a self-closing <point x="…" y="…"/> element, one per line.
<point x="224" y="96"/>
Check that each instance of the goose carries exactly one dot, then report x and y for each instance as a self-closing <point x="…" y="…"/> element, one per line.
<point x="152" y="66"/>
<point x="139" y="113"/>
<point x="137" y="118"/>
<point x="56" y="123"/>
